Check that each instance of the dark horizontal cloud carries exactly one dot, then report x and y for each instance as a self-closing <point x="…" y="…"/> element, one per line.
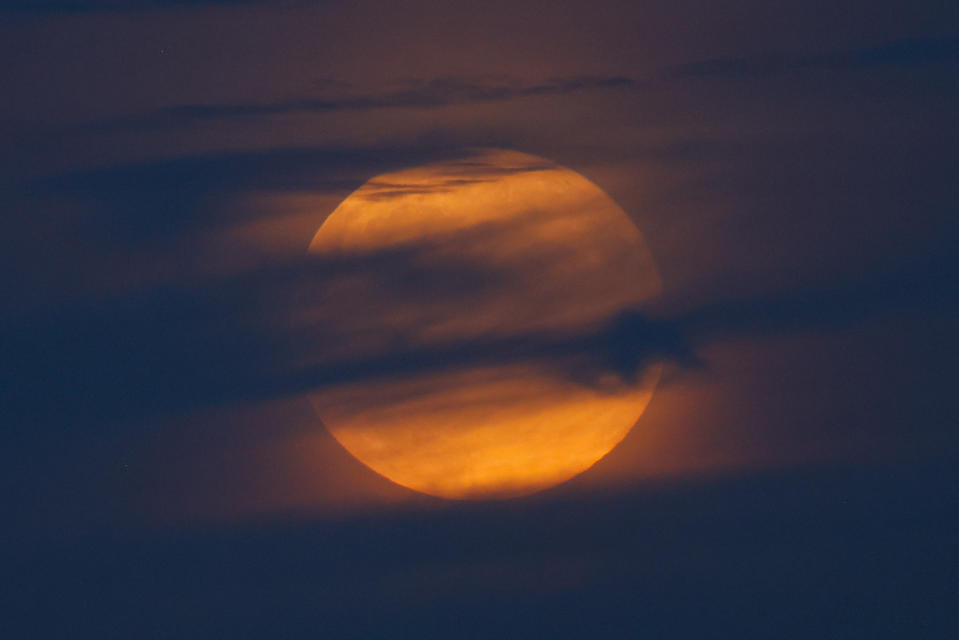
<point x="147" y="204"/>
<point x="334" y="95"/>
<point x="91" y="362"/>
<point x="86" y="364"/>
<point x="879" y="543"/>
<point x="27" y="7"/>
<point x="417" y="94"/>
<point x="923" y="284"/>
<point x="905" y="52"/>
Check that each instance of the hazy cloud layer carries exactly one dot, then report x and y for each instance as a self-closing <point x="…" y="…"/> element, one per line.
<point x="791" y="166"/>
<point x="417" y="94"/>
<point x="907" y="52"/>
<point x="485" y="565"/>
<point x="28" y="7"/>
<point x="179" y="345"/>
<point x="87" y="365"/>
<point x="335" y="96"/>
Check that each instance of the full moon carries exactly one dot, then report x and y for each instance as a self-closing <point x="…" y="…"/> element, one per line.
<point x="493" y="251"/>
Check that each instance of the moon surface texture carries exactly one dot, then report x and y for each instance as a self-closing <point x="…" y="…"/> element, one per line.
<point x="491" y="265"/>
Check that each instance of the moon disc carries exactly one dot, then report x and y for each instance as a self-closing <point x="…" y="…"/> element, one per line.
<point x="477" y="257"/>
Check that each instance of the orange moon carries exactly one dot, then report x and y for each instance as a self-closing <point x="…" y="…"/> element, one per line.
<point x="551" y="254"/>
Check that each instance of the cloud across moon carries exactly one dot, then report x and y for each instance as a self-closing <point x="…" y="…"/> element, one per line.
<point x="559" y="256"/>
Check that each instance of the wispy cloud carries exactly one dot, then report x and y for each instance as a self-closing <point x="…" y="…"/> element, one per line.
<point x="907" y="52"/>
<point x="170" y="198"/>
<point x="91" y="363"/>
<point x="417" y="94"/>
<point x="333" y="95"/>
<point x="29" y="7"/>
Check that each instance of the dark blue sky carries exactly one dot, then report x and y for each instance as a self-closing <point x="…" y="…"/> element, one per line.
<point x="792" y="168"/>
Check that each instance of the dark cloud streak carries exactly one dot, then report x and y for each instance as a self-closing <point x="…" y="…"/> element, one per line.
<point x="450" y="91"/>
<point x="48" y="7"/>
<point x="179" y="349"/>
<point x="431" y="94"/>
<point x="173" y="198"/>
<point x="447" y="569"/>
<point x="923" y="284"/>
<point x="94" y="363"/>
<point x="906" y="52"/>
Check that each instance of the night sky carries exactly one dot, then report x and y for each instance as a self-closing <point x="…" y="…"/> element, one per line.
<point x="791" y="165"/>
